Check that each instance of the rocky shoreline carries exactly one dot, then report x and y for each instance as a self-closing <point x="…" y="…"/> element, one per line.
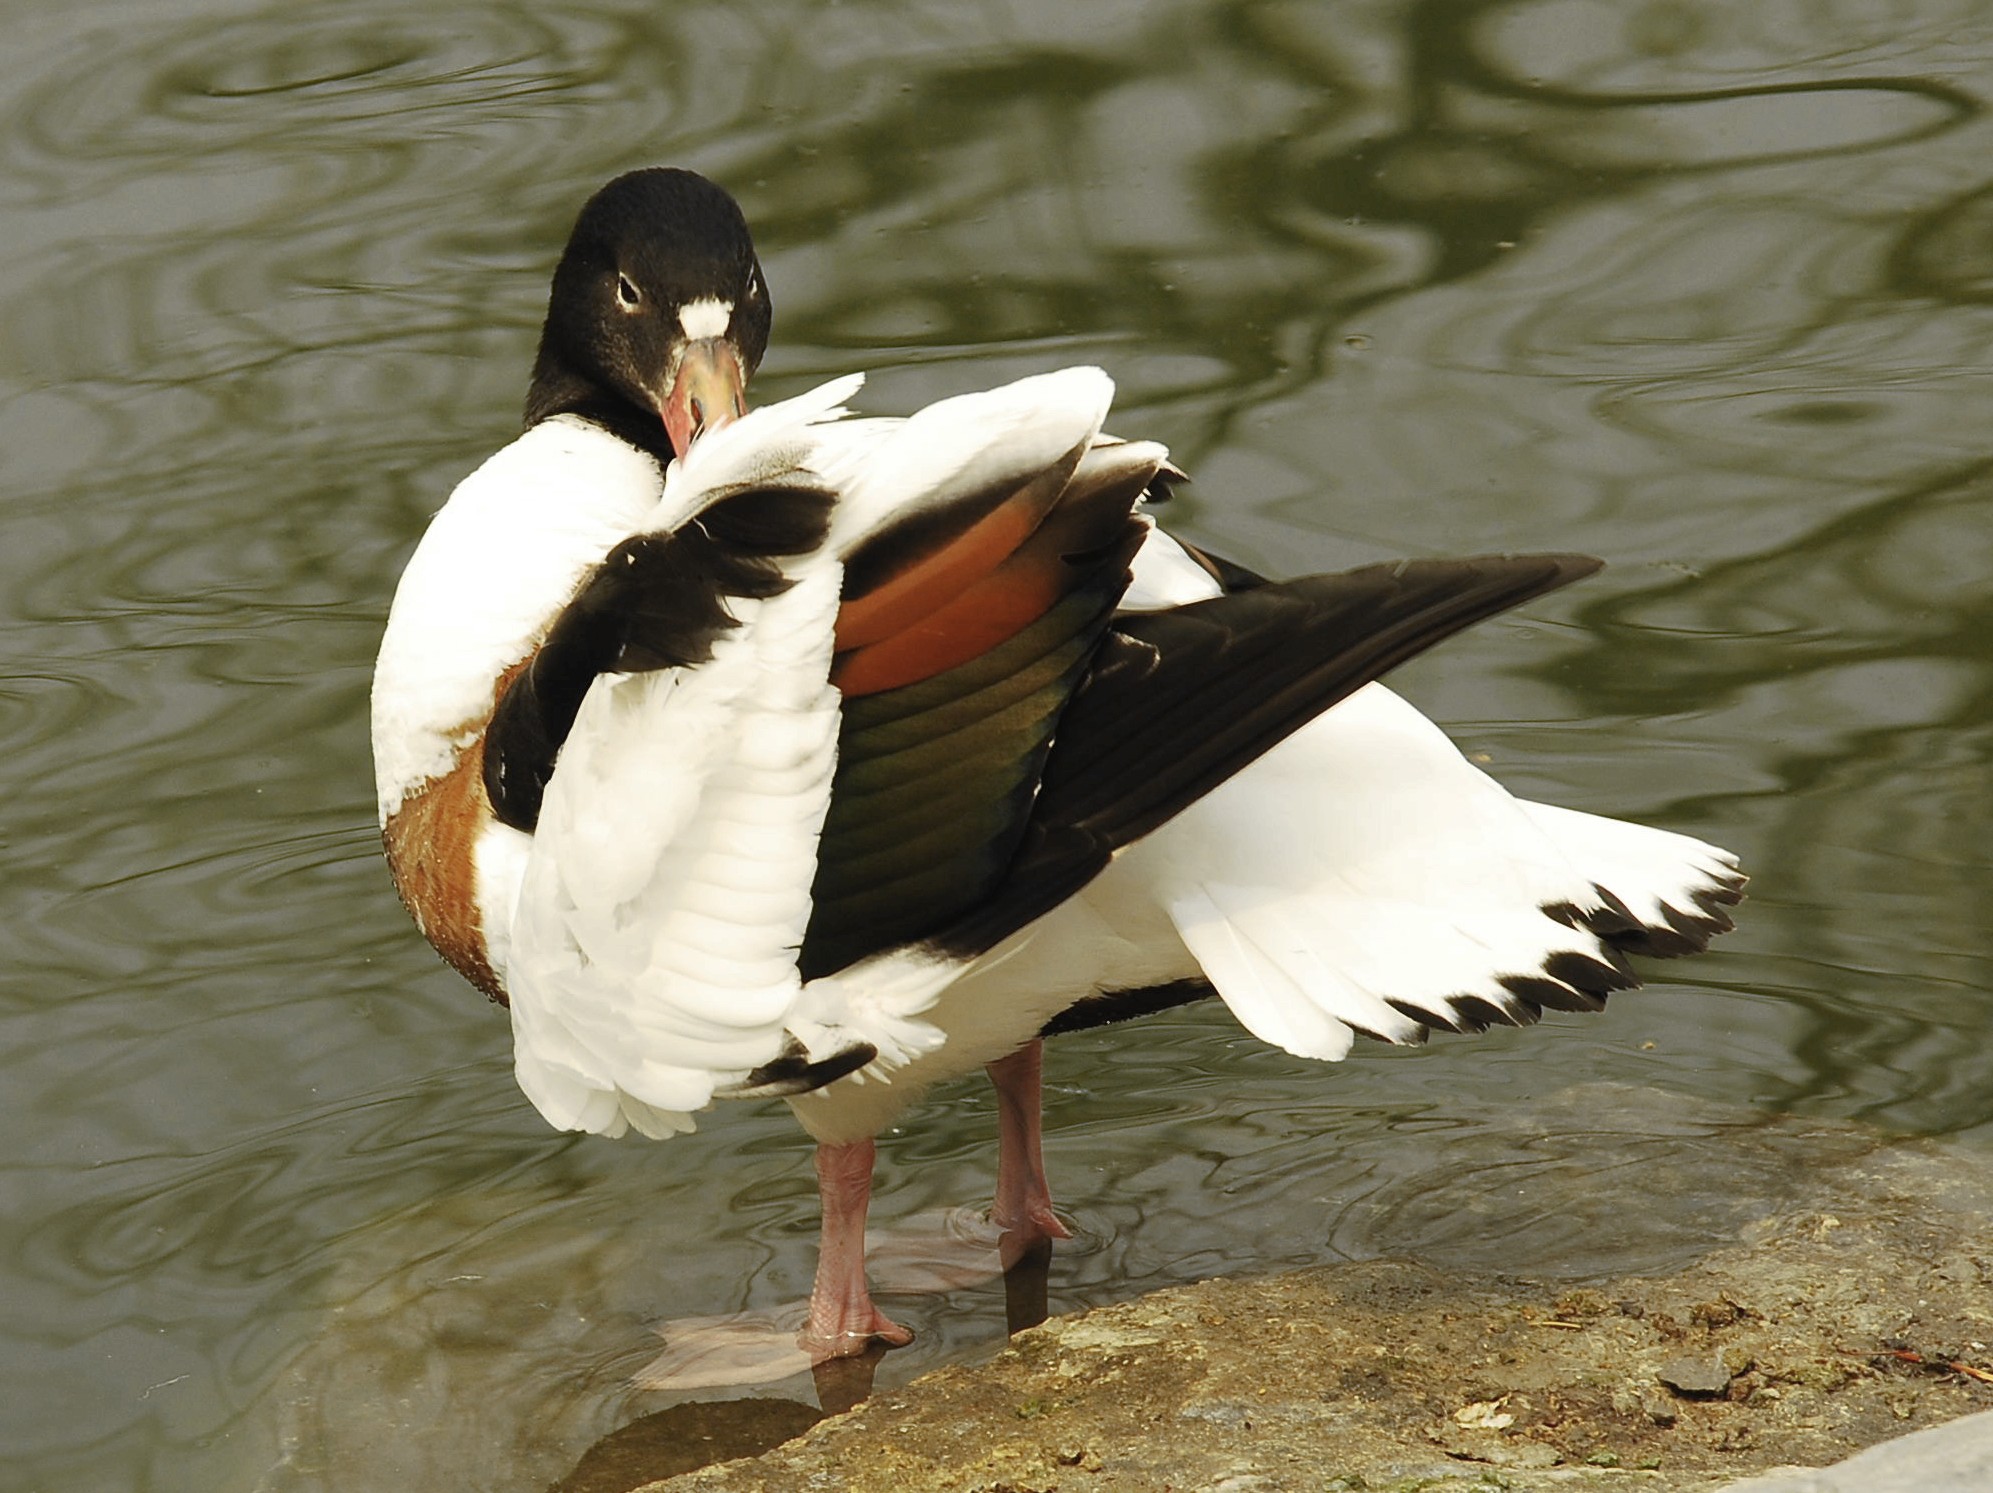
<point x="1864" y="1314"/>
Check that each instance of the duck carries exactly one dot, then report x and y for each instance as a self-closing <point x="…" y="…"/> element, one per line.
<point x="791" y="753"/>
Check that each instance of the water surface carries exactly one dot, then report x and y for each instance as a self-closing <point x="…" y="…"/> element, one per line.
<point x="1704" y="289"/>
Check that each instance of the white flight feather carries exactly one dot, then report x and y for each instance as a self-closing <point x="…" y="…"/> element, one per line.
<point x="959" y="447"/>
<point x="652" y="955"/>
<point x="1367" y="861"/>
<point x="1269" y="1002"/>
<point x="627" y="975"/>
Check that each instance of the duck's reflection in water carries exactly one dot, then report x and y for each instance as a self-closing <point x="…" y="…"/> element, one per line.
<point x="929" y="1254"/>
<point x="699" y="1433"/>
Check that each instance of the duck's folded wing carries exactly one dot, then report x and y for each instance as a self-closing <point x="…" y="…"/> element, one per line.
<point x="670" y="750"/>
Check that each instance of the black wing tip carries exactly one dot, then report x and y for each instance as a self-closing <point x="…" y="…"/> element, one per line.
<point x="795" y="1073"/>
<point x="1429" y="1021"/>
<point x="1564" y="565"/>
<point x="1567" y="980"/>
<point x="1574" y="565"/>
<point x="1680" y="931"/>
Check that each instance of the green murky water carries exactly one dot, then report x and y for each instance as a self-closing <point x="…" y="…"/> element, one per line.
<point x="1706" y="289"/>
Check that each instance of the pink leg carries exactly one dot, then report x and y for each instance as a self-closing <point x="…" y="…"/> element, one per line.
<point x="1023" y="1208"/>
<point x="843" y="1321"/>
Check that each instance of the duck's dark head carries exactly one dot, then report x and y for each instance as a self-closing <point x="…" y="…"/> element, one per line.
<point x="658" y="316"/>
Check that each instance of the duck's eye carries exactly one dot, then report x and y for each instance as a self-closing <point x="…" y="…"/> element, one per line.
<point x="627" y="294"/>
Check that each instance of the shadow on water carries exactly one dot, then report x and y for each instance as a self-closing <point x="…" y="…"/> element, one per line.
<point x="687" y="1437"/>
<point x="1686" y="284"/>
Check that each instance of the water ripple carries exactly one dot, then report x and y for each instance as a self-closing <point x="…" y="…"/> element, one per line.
<point x="177" y="92"/>
<point x="1950" y="253"/>
<point x="1686" y="282"/>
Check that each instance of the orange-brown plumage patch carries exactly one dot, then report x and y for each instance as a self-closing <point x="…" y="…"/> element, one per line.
<point x="936" y="578"/>
<point x="1003" y="577"/>
<point x="431" y="843"/>
<point x="999" y="606"/>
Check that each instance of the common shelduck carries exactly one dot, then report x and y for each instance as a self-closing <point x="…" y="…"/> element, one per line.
<point x="780" y="752"/>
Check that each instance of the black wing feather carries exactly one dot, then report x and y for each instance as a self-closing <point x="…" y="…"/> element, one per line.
<point x="1180" y="700"/>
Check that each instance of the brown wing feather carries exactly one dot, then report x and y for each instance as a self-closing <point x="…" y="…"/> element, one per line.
<point x="949" y="713"/>
<point x="1041" y="569"/>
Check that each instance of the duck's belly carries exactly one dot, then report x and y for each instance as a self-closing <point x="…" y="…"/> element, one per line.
<point x="1113" y="936"/>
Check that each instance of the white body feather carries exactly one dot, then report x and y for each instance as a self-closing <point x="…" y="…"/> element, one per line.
<point x="647" y="931"/>
<point x="507" y="549"/>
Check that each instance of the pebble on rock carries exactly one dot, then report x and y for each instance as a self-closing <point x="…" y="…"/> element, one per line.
<point x="1699" y="1378"/>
